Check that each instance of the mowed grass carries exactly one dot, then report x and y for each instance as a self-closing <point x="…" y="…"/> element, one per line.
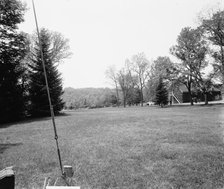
<point x="176" y="147"/>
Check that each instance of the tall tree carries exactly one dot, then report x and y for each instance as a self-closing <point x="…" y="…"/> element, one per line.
<point x="162" y="67"/>
<point x="12" y="52"/>
<point x="161" y="94"/>
<point x="112" y="75"/>
<point x="140" y="65"/>
<point x="126" y="83"/>
<point x="191" y="49"/>
<point x="38" y="94"/>
<point x="214" y="31"/>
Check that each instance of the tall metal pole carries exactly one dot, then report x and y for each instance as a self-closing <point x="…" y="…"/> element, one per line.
<point x="48" y="91"/>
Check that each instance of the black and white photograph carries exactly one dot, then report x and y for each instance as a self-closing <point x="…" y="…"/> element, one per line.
<point x="111" y="94"/>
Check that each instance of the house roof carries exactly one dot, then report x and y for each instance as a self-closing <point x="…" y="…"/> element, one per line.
<point x="183" y="88"/>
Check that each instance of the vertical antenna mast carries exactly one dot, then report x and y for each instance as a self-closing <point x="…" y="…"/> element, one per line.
<point x="48" y="91"/>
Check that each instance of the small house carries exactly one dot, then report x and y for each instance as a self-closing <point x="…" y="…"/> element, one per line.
<point x="180" y="94"/>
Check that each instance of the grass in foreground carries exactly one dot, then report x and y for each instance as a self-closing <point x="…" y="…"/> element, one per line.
<point x="178" y="147"/>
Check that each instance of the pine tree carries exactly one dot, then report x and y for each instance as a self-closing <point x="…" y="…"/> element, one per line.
<point x="161" y="94"/>
<point x="38" y="93"/>
<point x="12" y="52"/>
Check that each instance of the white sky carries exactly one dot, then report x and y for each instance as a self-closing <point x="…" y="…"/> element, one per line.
<point x="106" y="32"/>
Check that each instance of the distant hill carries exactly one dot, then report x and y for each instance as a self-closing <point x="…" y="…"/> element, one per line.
<point x="88" y="97"/>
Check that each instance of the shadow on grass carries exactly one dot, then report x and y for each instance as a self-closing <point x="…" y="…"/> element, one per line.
<point x="30" y="120"/>
<point x="4" y="147"/>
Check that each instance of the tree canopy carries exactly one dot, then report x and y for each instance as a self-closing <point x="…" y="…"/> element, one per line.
<point x="213" y="27"/>
<point x="13" y="49"/>
<point x="161" y="94"/>
<point x="38" y="94"/>
<point x="191" y="50"/>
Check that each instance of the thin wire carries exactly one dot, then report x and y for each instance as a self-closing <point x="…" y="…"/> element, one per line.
<point x="48" y="91"/>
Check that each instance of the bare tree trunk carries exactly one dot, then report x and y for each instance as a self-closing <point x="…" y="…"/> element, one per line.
<point x="190" y="94"/>
<point x="189" y="91"/>
<point x="222" y="61"/>
<point x="118" y="100"/>
<point x="124" y="98"/>
<point x="141" y="96"/>
<point x="206" y="98"/>
<point x="191" y="100"/>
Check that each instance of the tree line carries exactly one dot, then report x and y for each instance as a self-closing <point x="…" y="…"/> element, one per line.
<point x="22" y="84"/>
<point x="23" y="88"/>
<point x="200" y="65"/>
<point x="89" y="98"/>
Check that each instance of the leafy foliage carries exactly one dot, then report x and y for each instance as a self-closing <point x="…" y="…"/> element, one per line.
<point x="162" y="67"/>
<point x="12" y="52"/>
<point x="191" y="50"/>
<point x="89" y="97"/>
<point x="161" y="94"/>
<point x="134" y="96"/>
<point x="38" y="94"/>
<point x="214" y="31"/>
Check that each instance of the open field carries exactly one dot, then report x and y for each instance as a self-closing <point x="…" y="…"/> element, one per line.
<point x="149" y="147"/>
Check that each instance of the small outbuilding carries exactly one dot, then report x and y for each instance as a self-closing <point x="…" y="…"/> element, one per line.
<point x="180" y="94"/>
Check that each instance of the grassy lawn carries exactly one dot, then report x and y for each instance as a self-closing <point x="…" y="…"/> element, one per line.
<point x="149" y="147"/>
